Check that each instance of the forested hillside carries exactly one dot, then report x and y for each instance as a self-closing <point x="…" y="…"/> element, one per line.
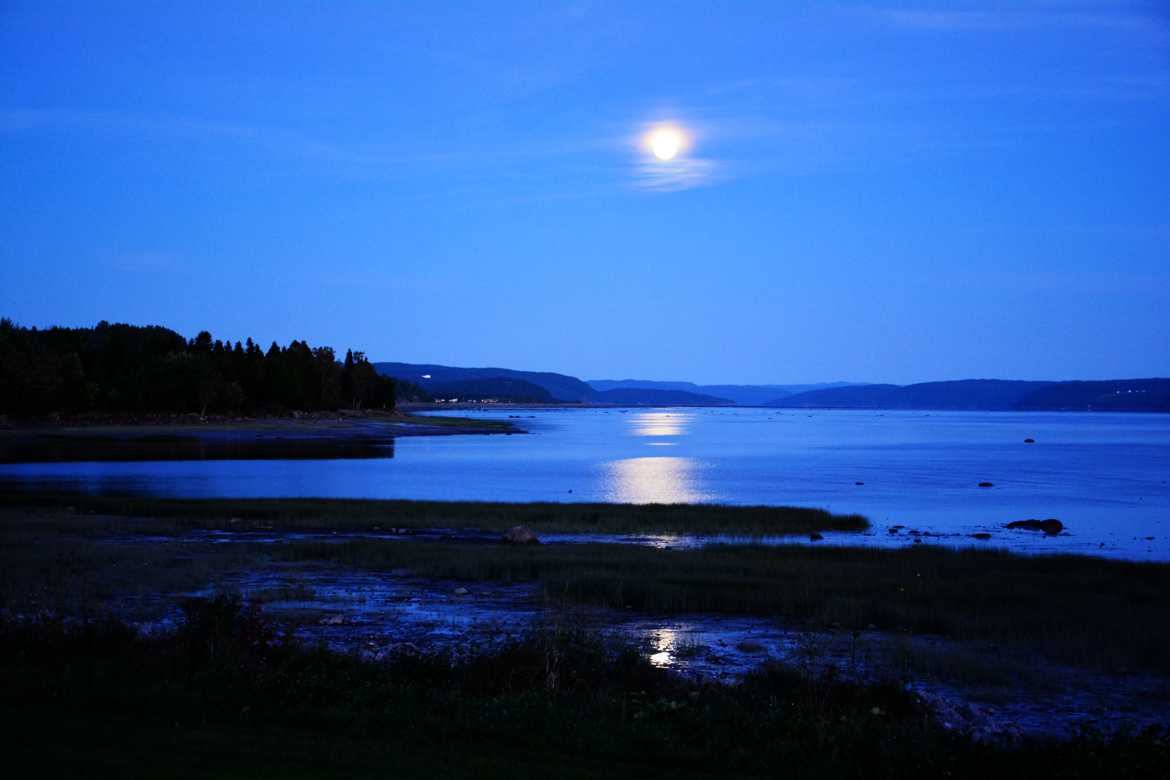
<point x="506" y="384"/>
<point x="134" y="369"/>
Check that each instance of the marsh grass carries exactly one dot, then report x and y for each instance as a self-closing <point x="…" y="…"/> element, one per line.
<point x="49" y="568"/>
<point x="177" y="515"/>
<point x="1084" y="611"/>
<point x="225" y="695"/>
<point x="290" y="592"/>
<point x="457" y="423"/>
<point x="973" y="665"/>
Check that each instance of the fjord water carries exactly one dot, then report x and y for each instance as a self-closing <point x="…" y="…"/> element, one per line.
<point x="1105" y="476"/>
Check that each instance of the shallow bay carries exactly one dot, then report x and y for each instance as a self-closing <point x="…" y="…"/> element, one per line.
<point x="1105" y="476"/>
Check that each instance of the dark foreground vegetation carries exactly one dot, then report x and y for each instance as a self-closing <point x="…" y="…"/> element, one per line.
<point x="175" y="515"/>
<point x="225" y="696"/>
<point x="138" y="370"/>
<point x="1089" y="612"/>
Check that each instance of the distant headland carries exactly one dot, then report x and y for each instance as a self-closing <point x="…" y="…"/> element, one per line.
<point x="504" y="385"/>
<point x="114" y="369"/>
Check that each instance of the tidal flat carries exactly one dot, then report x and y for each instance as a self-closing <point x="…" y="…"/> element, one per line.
<point x="191" y="437"/>
<point x="998" y="648"/>
<point x="225" y="694"/>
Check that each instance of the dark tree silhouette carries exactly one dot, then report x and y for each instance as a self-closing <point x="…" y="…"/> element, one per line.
<point x="133" y="369"/>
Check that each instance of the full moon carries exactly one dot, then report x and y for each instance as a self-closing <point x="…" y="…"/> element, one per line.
<point x="665" y="143"/>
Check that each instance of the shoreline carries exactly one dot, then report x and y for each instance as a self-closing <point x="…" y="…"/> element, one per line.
<point x="184" y="437"/>
<point x="87" y="422"/>
<point x="853" y="584"/>
<point x="480" y="406"/>
<point x="1013" y="642"/>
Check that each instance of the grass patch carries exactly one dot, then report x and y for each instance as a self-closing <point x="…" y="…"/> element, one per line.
<point x="47" y="566"/>
<point x="1086" y="611"/>
<point x="282" y="593"/>
<point x="458" y="423"/>
<point x="1089" y="612"/>
<point x="175" y="515"/>
<point x="223" y="696"/>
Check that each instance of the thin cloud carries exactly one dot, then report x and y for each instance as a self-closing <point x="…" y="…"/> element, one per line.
<point x="972" y="20"/>
<point x="796" y="87"/>
<point x="286" y="142"/>
<point x="275" y="139"/>
<point x="1135" y="89"/>
<point x="678" y="174"/>
<point x="713" y="131"/>
<point x="943" y="20"/>
<point x="860" y="93"/>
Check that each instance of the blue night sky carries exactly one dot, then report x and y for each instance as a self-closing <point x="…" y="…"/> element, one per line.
<point x="871" y="193"/>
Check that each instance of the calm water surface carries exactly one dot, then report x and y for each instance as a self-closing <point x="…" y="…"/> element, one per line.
<point x="1106" y="476"/>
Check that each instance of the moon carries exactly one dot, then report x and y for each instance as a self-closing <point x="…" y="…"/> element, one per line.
<point x="665" y="143"/>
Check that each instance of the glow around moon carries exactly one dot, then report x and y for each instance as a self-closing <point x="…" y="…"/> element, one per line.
<point x="665" y="142"/>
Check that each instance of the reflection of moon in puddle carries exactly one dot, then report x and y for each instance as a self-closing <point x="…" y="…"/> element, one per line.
<point x="661" y="659"/>
<point x="664" y="641"/>
<point x="653" y="481"/>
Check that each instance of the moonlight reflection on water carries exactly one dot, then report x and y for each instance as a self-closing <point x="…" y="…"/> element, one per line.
<point x="1102" y="475"/>
<point x="653" y="481"/>
<point x="659" y="423"/>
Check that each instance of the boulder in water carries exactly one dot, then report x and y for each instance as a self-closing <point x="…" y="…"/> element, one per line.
<point x="1051" y="526"/>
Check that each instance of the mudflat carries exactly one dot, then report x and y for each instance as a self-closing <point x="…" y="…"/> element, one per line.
<point x="339" y="435"/>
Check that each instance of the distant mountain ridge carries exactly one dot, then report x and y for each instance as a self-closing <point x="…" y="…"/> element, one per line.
<point x="431" y="375"/>
<point x="1117" y="395"/>
<point x="516" y="390"/>
<point x="745" y="395"/>
<point x="506" y="384"/>
<point x="651" y="396"/>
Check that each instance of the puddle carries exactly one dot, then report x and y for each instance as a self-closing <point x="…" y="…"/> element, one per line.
<point x="376" y="613"/>
<point x="1022" y="542"/>
<point x="974" y="686"/>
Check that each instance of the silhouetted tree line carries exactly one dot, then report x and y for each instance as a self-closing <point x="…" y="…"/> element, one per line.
<point x="132" y="369"/>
